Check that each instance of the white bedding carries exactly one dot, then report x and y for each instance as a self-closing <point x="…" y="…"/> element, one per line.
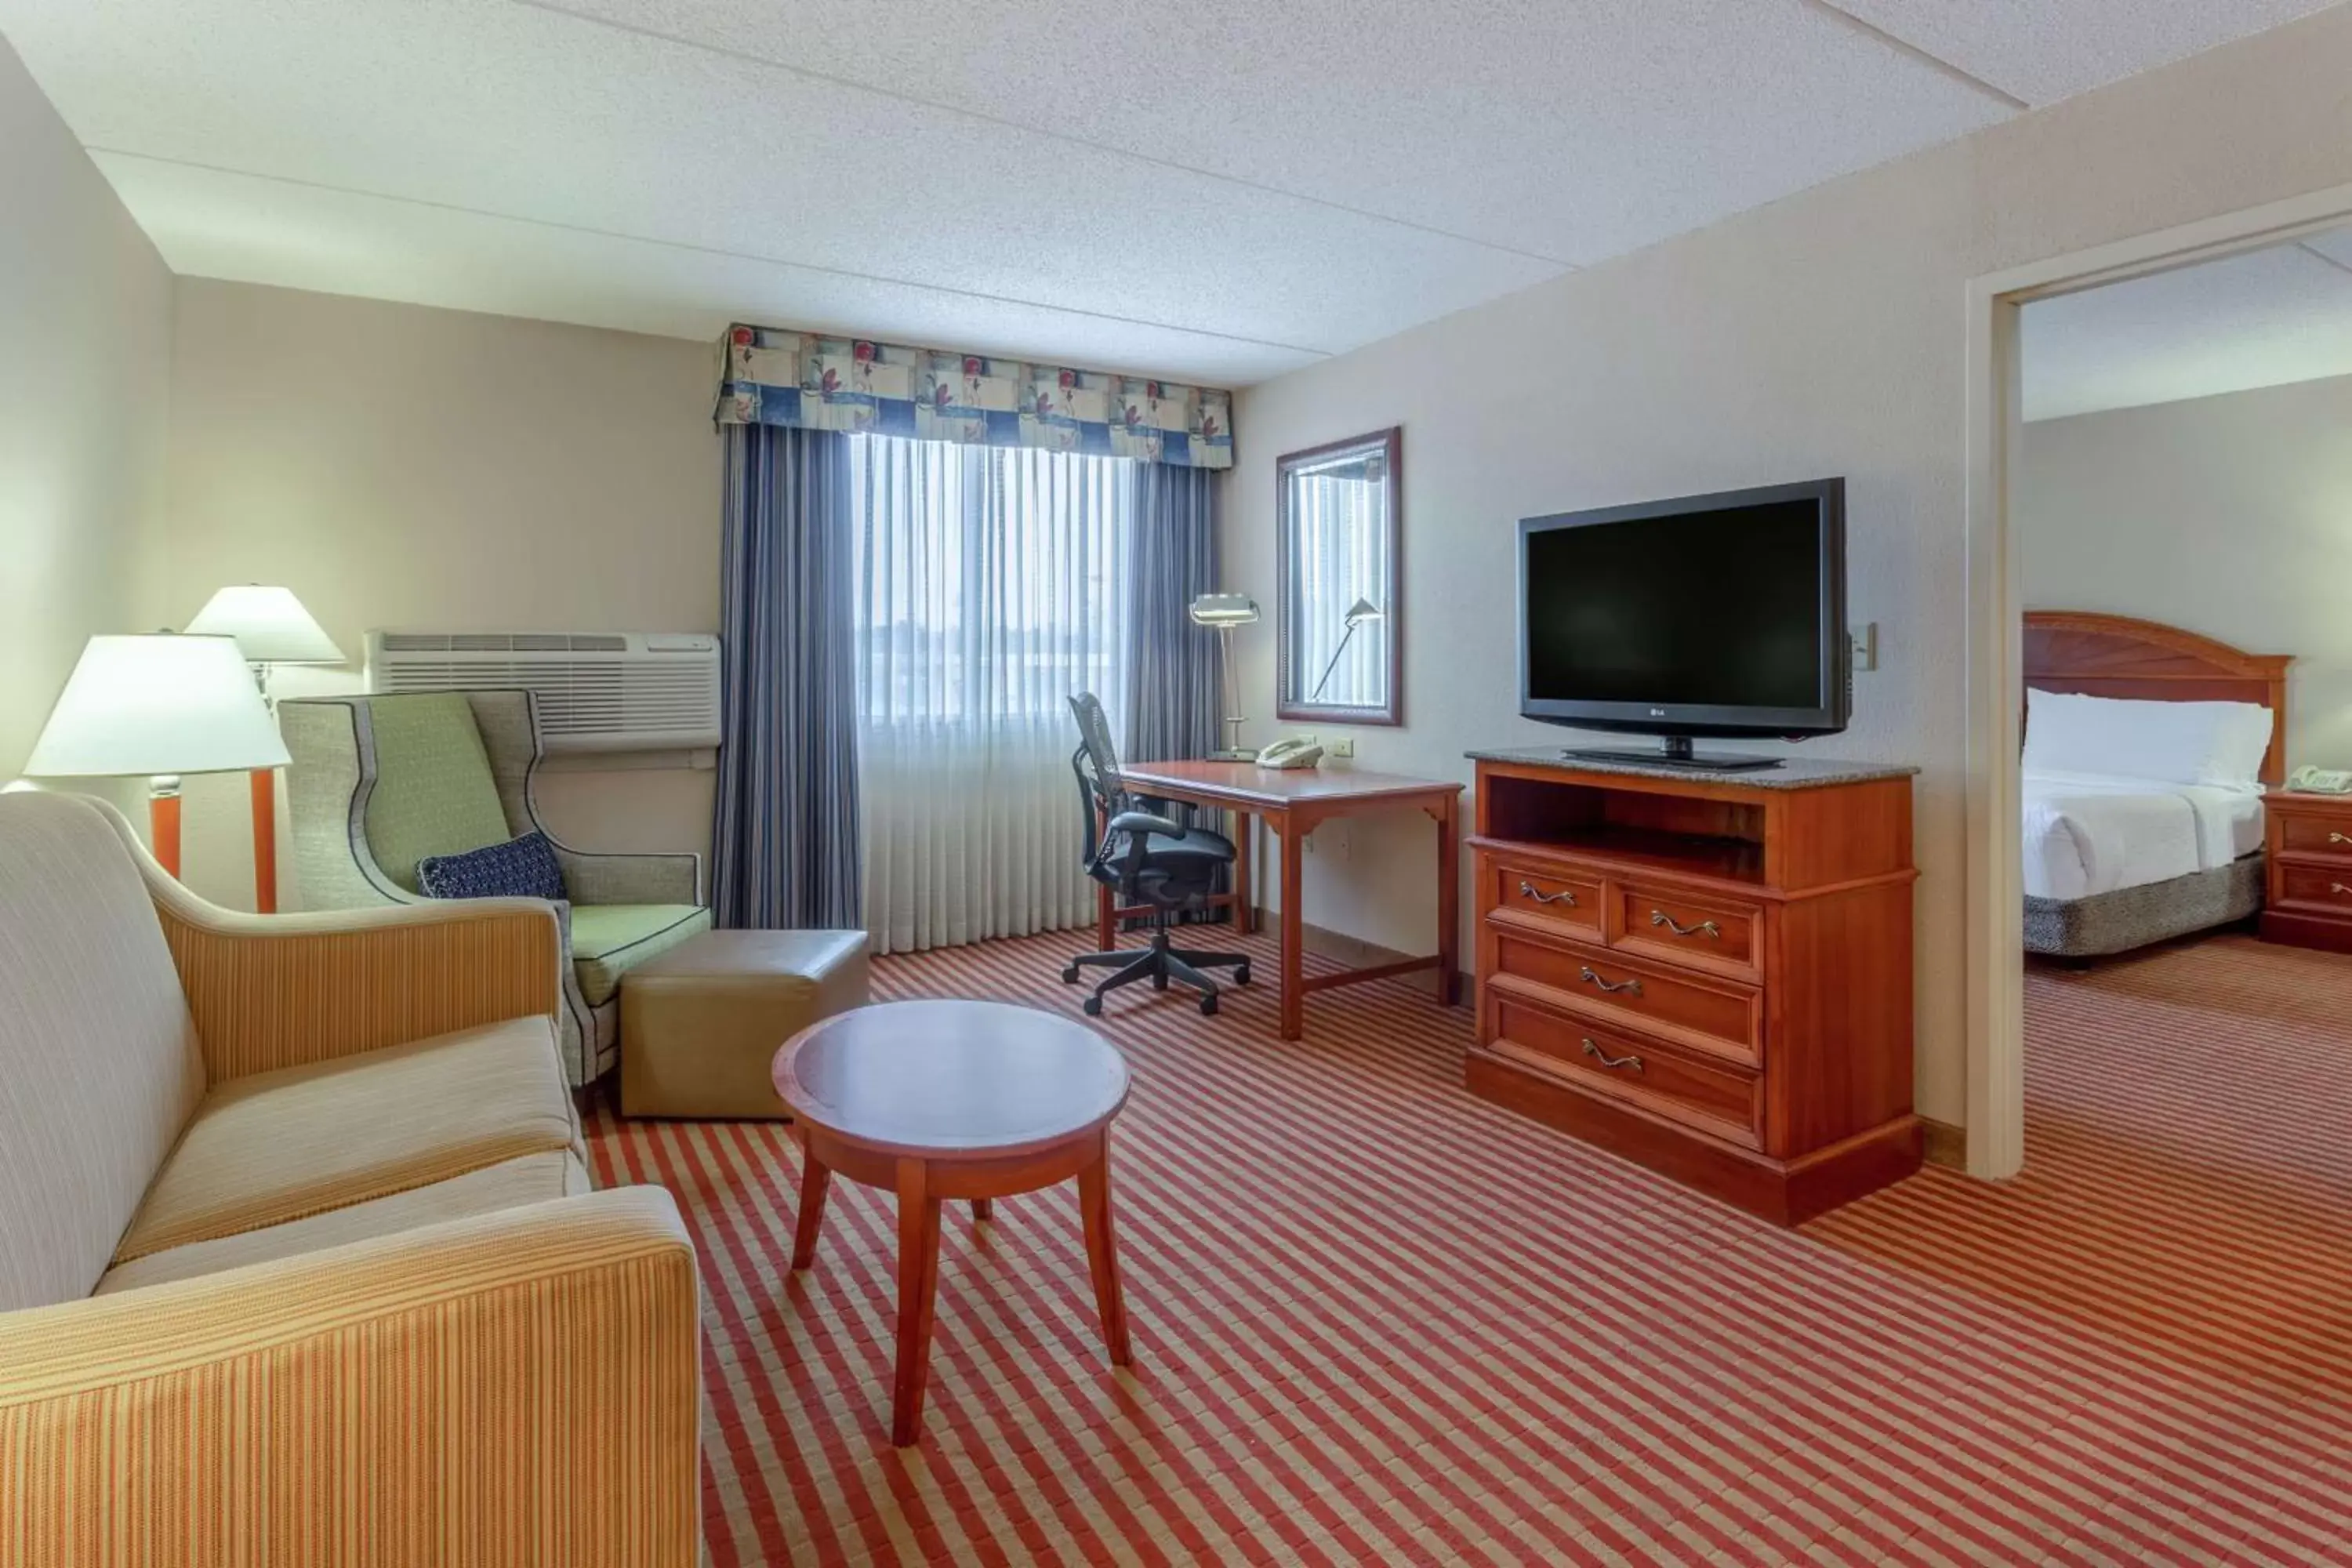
<point x="2092" y="833"/>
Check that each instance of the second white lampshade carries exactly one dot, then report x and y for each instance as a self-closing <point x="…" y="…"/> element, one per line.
<point x="157" y="704"/>
<point x="270" y="625"/>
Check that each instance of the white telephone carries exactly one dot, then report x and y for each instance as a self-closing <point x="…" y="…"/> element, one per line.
<point x="2320" y="781"/>
<point x="1291" y="754"/>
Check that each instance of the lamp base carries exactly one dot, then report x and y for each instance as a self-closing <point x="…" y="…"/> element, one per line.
<point x="163" y="822"/>
<point x="1233" y="754"/>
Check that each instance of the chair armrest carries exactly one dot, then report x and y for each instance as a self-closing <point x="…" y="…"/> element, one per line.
<point x="514" y="1390"/>
<point x="278" y="991"/>
<point x="1146" y="822"/>
<point x="593" y="879"/>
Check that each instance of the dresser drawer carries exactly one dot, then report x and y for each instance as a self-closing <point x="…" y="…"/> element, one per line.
<point x="1569" y="901"/>
<point x="2316" y="888"/>
<point x="2320" y="835"/>
<point x="1640" y="990"/>
<point x="1704" y="1092"/>
<point x="1720" y="934"/>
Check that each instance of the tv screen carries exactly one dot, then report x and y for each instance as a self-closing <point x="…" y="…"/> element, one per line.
<point x="1712" y="614"/>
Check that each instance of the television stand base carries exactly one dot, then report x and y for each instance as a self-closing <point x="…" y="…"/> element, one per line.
<point x="1674" y="751"/>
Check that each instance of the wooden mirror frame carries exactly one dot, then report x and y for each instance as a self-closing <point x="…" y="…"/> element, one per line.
<point x="1391" y="622"/>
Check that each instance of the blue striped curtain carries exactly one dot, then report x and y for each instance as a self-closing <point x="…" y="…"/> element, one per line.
<point x="786" y="849"/>
<point x="1172" y="671"/>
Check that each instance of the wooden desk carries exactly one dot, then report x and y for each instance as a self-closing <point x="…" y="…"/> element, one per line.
<point x="1291" y="802"/>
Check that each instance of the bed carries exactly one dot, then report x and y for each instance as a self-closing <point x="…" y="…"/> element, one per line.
<point x="2115" y="858"/>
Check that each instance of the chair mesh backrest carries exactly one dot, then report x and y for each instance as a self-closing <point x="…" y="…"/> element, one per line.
<point x="1095" y="762"/>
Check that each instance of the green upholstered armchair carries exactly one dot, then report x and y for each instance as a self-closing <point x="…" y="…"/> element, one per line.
<point x="379" y="783"/>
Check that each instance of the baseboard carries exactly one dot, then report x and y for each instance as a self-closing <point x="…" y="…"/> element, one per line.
<point x="1357" y="953"/>
<point x="1947" y="1145"/>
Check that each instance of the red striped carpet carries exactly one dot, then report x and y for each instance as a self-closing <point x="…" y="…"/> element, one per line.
<point x="1378" y="1321"/>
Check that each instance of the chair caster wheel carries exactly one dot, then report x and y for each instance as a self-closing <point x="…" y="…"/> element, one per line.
<point x="1070" y="976"/>
<point x="1091" y="1006"/>
<point x="1241" y="975"/>
<point x="1208" y="1006"/>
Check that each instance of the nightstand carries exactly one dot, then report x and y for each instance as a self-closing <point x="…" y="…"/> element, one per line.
<point x="2308" y="899"/>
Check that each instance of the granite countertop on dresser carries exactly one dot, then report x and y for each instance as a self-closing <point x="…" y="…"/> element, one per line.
<point x="1793" y="773"/>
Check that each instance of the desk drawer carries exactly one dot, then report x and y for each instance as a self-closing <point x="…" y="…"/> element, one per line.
<point x="1594" y="979"/>
<point x="1567" y="901"/>
<point x="1641" y="1069"/>
<point x="1716" y="932"/>
<point x="2320" y="838"/>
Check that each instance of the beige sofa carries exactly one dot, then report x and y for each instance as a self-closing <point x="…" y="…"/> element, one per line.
<point x="299" y="1259"/>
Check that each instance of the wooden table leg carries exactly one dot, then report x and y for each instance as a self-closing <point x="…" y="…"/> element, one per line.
<point x="1294" y="1000"/>
<point x="918" y="1283"/>
<point x="1242" y="837"/>
<point x="983" y="1208"/>
<point x="1102" y="1254"/>
<point x="1449" y="906"/>
<point x="815" y="1181"/>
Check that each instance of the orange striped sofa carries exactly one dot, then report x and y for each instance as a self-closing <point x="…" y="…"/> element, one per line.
<point x="299" y="1259"/>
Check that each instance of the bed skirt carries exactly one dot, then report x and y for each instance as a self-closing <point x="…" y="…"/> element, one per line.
<point x="2135" y="917"/>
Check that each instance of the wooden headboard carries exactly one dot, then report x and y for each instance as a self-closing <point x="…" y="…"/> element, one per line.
<point x="2116" y="655"/>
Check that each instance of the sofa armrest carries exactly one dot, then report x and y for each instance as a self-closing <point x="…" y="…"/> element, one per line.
<point x="278" y="991"/>
<point x="593" y="879"/>
<point x="521" y="1388"/>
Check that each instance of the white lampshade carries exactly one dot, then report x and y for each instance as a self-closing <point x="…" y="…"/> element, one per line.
<point x="158" y="704"/>
<point x="270" y="625"/>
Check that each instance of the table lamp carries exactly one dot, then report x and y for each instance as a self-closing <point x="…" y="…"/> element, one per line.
<point x="157" y="706"/>
<point x="271" y="628"/>
<point x="1359" y="612"/>
<point x="1225" y="612"/>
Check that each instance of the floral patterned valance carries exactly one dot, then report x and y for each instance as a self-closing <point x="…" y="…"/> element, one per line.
<point x="770" y="376"/>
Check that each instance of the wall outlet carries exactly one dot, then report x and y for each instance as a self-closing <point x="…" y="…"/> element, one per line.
<point x="1341" y="746"/>
<point x="1865" y="646"/>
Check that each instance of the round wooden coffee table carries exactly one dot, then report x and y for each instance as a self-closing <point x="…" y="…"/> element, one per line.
<point x="953" y="1099"/>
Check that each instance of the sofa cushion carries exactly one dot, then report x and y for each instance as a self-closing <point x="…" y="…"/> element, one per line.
<point x="277" y="1146"/>
<point x="433" y="792"/>
<point x="533" y="1179"/>
<point x="608" y="940"/>
<point x="99" y="1063"/>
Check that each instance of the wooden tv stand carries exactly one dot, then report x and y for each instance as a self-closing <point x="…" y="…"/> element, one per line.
<point x="1710" y="974"/>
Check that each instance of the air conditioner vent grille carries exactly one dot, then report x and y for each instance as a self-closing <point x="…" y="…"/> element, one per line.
<point x="598" y="692"/>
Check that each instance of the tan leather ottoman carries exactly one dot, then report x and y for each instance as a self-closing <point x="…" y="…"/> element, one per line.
<point x="701" y="1024"/>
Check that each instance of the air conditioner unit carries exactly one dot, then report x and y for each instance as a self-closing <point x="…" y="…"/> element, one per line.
<point x="598" y="692"/>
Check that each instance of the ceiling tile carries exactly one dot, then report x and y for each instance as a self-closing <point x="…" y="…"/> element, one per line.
<point x="505" y="110"/>
<point x="252" y="230"/>
<point x="2264" y="318"/>
<point x="2043" y="50"/>
<point x="1574" y="129"/>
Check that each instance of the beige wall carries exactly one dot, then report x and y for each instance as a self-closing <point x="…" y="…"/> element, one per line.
<point x="1820" y="335"/>
<point x="84" y="339"/>
<point x="399" y="466"/>
<point x="2230" y="515"/>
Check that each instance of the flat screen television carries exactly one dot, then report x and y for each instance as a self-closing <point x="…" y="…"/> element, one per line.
<point x="1715" y="615"/>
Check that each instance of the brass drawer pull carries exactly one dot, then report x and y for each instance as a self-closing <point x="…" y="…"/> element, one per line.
<point x="2335" y="838"/>
<point x="1632" y="987"/>
<point x="1703" y="928"/>
<point x="1565" y="896"/>
<point x="1605" y="1059"/>
<point x="2338" y="887"/>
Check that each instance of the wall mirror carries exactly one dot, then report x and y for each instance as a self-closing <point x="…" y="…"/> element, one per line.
<point x="1337" y="533"/>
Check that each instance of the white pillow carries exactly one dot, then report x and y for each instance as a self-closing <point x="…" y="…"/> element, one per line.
<point x="2219" y="744"/>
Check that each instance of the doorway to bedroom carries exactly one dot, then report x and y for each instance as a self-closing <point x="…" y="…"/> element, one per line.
<point x="2179" y="502"/>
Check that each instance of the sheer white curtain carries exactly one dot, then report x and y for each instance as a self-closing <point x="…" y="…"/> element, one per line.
<point x="991" y="583"/>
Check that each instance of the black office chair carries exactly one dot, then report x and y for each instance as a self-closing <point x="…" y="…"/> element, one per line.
<point x="1143" y="858"/>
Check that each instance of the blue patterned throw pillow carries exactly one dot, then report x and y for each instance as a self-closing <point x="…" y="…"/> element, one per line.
<point x="521" y="868"/>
